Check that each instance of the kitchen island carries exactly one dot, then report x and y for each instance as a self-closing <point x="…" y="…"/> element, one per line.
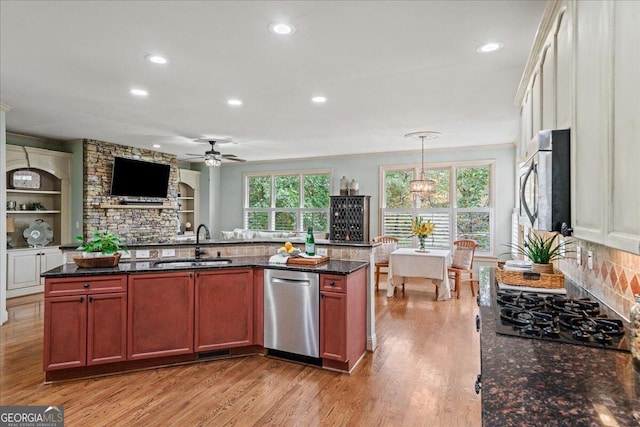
<point x="155" y="313"/>
<point x="531" y="382"/>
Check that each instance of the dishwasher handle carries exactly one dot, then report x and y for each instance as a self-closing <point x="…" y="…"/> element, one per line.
<point x="275" y="280"/>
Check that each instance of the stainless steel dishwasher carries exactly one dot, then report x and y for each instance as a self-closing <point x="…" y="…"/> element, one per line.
<point x="291" y="312"/>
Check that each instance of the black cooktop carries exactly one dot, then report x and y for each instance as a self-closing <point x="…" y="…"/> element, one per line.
<point x="559" y="318"/>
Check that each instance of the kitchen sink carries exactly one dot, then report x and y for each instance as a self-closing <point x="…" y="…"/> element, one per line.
<point x="193" y="262"/>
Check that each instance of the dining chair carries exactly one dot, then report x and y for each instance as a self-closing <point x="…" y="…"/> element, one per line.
<point x="462" y="264"/>
<point x="381" y="254"/>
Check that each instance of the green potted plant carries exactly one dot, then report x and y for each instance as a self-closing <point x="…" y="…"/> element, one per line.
<point x="101" y="250"/>
<point x="542" y="250"/>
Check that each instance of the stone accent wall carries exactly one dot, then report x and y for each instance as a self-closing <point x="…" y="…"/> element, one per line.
<point x="133" y="225"/>
<point x="615" y="277"/>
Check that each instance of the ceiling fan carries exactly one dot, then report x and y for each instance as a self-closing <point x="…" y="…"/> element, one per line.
<point x="213" y="157"/>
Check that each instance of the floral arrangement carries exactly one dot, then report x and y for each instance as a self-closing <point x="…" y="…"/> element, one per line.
<point x="422" y="229"/>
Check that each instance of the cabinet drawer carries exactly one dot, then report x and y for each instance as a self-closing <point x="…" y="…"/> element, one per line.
<point x="85" y="285"/>
<point x="333" y="283"/>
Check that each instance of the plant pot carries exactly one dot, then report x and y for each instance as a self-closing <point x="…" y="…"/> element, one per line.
<point x="105" y="261"/>
<point x="542" y="268"/>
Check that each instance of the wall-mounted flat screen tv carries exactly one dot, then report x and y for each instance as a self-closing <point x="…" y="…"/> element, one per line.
<point x="137" y="178"/>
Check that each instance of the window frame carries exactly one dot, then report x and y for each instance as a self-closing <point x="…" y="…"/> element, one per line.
<point x="272" y="209"/>
<point x="453" y="210"/>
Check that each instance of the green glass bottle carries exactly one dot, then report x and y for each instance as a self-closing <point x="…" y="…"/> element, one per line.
<point x="310" y="243"/>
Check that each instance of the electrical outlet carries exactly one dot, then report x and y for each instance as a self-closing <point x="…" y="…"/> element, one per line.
<point x="142" y="253"/>
<point x="168" y="252"/>
<point x="578" y="255"/>
<point x="124" y="254"/>
<point x="321" y="251"/>
<point x="563" y="250"/>
<point x="590" y="260"/>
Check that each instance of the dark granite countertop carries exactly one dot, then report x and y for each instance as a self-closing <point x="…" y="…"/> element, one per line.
<point x="212" y="242"/>
<point x="530" y="382"/>
<point x="333" y="266"/>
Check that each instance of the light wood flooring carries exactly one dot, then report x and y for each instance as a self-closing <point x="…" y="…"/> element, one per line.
<point x="421" y="374"/>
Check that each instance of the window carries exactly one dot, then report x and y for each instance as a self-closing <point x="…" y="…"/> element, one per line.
<point x="287" y="201"/>
<point x="460" y="207"/>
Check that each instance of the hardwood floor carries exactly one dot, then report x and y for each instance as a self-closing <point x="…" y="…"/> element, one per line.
<point x="422" y="374"/>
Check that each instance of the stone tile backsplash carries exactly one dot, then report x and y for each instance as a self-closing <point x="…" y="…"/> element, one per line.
<point x="615" y="277"/>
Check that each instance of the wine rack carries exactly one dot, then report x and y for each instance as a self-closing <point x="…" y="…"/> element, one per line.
<point x="349" y="218"/>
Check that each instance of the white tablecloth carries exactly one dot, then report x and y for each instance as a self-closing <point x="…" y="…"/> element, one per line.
<point x="406" y="262"/>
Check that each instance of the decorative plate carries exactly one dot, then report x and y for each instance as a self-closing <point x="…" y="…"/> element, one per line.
<point x="39" y="233"/>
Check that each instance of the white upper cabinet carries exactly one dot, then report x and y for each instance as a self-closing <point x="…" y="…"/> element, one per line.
<point x="584" y="74"/>
<point x="564" y="69"/>
<point x="624" y="215"/>
<point x="548" y="90"/>
<point x="590" y="136"/>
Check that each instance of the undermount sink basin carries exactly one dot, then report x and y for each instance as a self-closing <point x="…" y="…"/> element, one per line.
<point x="203" y="262"/>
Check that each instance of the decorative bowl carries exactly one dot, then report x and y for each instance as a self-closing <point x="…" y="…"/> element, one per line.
<point x="98" y="261"/>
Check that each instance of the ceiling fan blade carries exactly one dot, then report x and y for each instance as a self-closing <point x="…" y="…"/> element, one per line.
<point x="197" y="155"/>
<point x="232" y="157"/>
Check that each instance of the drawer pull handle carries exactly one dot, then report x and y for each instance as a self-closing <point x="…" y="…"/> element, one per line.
<point x="477" y="323"/>
<point x="90" y="299"/>
<point x="478" y="385"/>
<point x="332" y="283"/>
<point x="86" y="286"/>
<point x="81" y="299"/>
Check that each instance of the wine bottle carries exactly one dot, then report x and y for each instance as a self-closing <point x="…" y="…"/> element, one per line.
<point x="310" y="243"/>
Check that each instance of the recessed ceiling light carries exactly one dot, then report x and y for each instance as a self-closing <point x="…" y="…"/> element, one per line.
<point x="139" y="92"/>
<point x="156" y="145"/>
<point x="319" y="99"/>
<point x="489" y="47"/>
<point x="282" y="28"/>
<point x="156" y="59"/>
<point x="234" y="102"/>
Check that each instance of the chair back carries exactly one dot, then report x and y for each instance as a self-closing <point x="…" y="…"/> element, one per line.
<point x="385" y="239"/>
<point x="381" y="253"/>
<point x="467" y="243"/>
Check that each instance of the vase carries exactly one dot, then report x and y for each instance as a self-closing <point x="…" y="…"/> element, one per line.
<point x="634" y="323"/>
<point x="423" y="244"/>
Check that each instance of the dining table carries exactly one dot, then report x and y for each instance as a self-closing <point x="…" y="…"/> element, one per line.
<point x="430" y="264"/>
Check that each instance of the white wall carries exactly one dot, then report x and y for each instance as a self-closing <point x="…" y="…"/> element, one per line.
<point x="3" y="214"/>
<point x="365" y="169"/>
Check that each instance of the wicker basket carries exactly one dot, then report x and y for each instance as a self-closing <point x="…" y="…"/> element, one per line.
<point x="97" y="262"/>
<point x="533" y="280"/>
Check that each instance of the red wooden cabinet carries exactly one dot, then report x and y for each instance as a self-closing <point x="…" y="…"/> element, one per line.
<point x="343" y="318"/>
<point x="333" y="326"/>
<point x="106" y="328"/>
<point x="82" y="328"/>
<point x="224" y="311"/>
<point x="160" y="315"/>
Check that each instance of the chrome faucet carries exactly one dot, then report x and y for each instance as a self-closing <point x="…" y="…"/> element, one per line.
<point x="207" y="236"/>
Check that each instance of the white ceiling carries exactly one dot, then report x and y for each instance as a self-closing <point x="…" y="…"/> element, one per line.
<point x="386" y="67"/>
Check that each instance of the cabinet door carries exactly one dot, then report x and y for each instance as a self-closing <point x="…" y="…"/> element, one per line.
<point x="563" y="53"/>
<point x="160" y="315"/>
<point x="65" y="332"/>
<point x="548" y="89"/>
<point x="333" y="326"/>
<point x="536" y="104"/>
<point x="590" y="138"/>
<point x="23" y="269"/>
<point x="224" y="309"/>
<point x="50" y="259"/>
<point x="107" y="328"/>
<point x="624" y="227"/>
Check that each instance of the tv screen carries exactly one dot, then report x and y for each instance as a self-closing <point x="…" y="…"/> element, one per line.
<point x="137" y="178"/>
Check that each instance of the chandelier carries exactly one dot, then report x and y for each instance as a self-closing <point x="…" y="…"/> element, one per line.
<point x="422" y="187"/>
